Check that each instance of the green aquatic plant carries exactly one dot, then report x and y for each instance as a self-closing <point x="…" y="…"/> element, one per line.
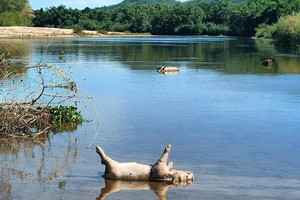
<point x="64" y="114"/>
<point x="25" y="120"/>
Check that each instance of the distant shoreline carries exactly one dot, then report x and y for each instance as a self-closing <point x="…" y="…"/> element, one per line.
<point x="44" y="32"/>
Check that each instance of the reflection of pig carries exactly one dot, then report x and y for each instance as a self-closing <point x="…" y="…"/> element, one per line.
<point x="160" y="188"/>
<point x="160" y="171"/>
<point x="267" y="63"/>
<point x="167" y="70"/>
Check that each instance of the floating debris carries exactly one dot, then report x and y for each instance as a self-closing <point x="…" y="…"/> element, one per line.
<point x="167" y="70"/>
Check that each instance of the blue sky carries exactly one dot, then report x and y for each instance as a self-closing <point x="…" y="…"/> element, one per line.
<point x="80" y="4"/>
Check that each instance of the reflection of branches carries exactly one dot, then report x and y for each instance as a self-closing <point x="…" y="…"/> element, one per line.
<point x="44" y="167"/>
<point x="5" y="189"/>
<point x="26" y="105"/>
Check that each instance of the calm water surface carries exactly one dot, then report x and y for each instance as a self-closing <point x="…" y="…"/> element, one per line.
<point x="230" y="120"/>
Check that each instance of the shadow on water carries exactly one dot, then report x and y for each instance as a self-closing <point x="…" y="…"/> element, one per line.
<point x="159" y="188"/>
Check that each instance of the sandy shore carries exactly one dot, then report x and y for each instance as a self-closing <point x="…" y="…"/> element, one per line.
<point x="42" y="32"/>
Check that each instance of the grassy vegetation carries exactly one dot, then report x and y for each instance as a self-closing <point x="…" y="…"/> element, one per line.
<point x="286" y="32"/>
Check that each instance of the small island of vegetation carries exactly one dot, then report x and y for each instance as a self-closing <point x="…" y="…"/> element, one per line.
<point x="47" y="102"/>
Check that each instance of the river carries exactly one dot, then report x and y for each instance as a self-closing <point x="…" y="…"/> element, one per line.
<point x="231" y="121"/>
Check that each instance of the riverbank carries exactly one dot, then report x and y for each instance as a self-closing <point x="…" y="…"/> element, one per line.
<point x="43" y="32"/>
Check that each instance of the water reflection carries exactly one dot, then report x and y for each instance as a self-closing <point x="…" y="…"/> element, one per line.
<point x="267" y="63"/>
<point x="245" y="126"/>
<point x="231" y="55"/>
<point x="32" y="160"/>
<point x="159" y="188"/>
<point x="19" y="49"/>
<point x="13" y="57"/>
<point x="167" y="70"/>
<point x="169" y="73"/>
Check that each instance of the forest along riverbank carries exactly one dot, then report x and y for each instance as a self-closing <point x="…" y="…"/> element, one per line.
<point x="42" y="32"/>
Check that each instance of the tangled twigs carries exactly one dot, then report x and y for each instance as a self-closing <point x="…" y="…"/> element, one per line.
<point x="23" y="120"/>
<point x="35" y="97"/>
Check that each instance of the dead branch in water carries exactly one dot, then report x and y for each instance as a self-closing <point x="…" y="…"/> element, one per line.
<point x="34" y="96"/>
<point x="21" y="120"/>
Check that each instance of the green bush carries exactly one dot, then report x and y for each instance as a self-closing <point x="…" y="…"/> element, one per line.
<point x="215" y="29"/>
<point x="77" y="29"/>
<point x="188" y="29"/>
<point x="120" y="27"/>
<point x="14" y="19"/>
<point x="288" y="31"/>
<point x="89" y="24"/>
<point x="102" y="31"/>
<point x="265" y="31"/>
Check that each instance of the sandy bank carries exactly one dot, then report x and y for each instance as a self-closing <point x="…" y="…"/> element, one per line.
<point x="42" y="32"/>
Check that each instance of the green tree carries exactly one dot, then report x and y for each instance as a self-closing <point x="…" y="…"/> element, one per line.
<point x="181" y="19"/>
<point x="141" y="19"/>
<point x="15" y="12"/>
<point x="191" y="18"/>
<point x="218" y="16"/>
<point x="188" y="19"/>
<point x="238" y="20"/>
<point x="13" y="5"/>
<point x="59" y="17"/>
<point x="286" y="32"/>
<point x="162" y="22"/>
<point x="268" y="12"/>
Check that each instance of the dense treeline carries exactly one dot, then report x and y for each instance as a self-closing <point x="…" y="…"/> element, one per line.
<point x="279" y="19"/>
<point x="15" y="12"/>
<point x="149" y="2"/>
<point x="192" y="18"/>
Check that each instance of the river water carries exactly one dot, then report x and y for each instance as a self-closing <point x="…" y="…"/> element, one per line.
<point x="231" y="121"/>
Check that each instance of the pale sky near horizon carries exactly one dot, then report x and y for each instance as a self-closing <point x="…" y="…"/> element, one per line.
<point x="80" y="4"/>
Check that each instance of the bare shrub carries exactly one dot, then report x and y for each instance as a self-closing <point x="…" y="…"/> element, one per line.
<point x="33" y="95"/>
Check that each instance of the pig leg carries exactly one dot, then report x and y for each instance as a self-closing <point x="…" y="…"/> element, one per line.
<point x="161" y="169"/>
